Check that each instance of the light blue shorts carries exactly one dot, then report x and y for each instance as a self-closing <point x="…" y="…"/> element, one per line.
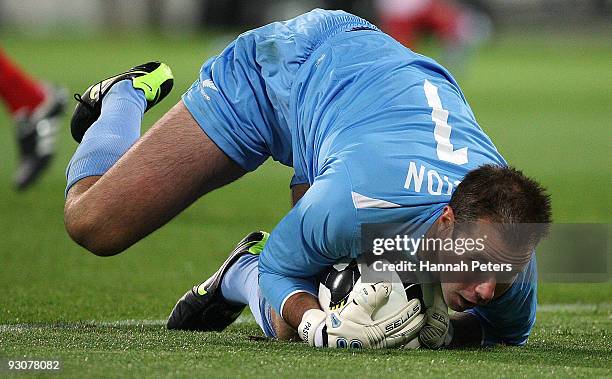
<point x="241" y="99"/>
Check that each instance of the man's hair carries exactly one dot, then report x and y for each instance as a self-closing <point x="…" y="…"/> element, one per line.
<point x="504" y="196"/>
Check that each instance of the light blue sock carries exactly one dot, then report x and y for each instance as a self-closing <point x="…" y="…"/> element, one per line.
<point x="241" y="285"/>
<point x="113" y="133"/>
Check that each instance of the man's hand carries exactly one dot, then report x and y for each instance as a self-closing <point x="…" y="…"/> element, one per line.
<point x="356" y="325"/>
<point x="437" y="331"/>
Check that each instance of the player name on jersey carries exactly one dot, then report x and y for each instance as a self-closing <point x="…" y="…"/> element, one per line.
<point x="434" y="183"/>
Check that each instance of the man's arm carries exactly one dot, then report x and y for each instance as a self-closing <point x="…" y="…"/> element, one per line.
<point x="165" y="171"/>
<point x="317" y="232"/>
<point x="285" y="327"/>
<point x="297" y="304"/>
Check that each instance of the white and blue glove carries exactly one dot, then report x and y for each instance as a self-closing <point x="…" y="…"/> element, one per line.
<point x="376" y="316"/>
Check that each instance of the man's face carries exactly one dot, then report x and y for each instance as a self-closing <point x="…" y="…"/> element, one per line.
<point x="462" y="296"/>
<point x="481" y="287"/>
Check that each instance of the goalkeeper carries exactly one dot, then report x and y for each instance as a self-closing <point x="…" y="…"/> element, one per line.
<point x="374" y="132"/>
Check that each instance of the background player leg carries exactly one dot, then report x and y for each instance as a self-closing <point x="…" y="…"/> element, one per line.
<point x="17" y="90"/>
<point x="36" y="109"/>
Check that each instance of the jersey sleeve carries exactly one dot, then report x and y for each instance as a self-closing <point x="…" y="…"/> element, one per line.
<point x="510" y="318"/>
<point x="316" y="233"/>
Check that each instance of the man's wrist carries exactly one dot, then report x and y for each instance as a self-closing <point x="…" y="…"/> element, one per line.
<point x="296" y="305"/>
<point x="310" y="329"/>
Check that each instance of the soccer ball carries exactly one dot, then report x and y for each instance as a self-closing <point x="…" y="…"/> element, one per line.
<point x="337" y="282"/>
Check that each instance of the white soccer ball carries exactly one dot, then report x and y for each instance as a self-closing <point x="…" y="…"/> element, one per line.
<point x="337" y="283"/>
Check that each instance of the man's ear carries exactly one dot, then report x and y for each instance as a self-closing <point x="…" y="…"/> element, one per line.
<point x="447" y="216"/>
<point x="446" y="222"/>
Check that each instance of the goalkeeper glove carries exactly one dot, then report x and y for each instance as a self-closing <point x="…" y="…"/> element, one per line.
<point x="356" y="326"/>
<point x="438" y="330"/>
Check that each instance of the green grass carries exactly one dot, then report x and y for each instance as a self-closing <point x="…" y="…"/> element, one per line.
<point x="545" y="103"/>
<point x="566" y="343"/>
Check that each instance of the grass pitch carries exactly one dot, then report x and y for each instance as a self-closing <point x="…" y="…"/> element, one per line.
<point x="544" y="101"/>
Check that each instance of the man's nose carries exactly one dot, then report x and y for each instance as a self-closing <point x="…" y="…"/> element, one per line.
<point x="486" y="291"/>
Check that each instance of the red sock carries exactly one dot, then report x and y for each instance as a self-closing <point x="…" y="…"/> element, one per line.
<point x="18" y="91"/>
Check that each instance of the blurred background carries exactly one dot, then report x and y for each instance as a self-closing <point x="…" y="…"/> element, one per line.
<point x="537" y="73"/>
<point x="93" y="16"/>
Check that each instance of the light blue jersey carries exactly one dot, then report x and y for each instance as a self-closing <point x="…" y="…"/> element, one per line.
<point x="381" y="134"/>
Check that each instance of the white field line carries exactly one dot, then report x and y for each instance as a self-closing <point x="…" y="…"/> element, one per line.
<point x="243" y="319"/>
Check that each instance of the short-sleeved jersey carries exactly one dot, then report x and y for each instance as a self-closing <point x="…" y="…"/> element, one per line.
<point x="381" y="134"/>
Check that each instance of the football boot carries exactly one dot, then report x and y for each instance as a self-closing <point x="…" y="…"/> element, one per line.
<point x="37" y="135"/>
<point x="203" y="307"/>
<point x="154" y="79"/>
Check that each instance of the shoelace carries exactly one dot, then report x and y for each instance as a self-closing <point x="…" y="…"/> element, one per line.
<point x="78" y="98"/>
